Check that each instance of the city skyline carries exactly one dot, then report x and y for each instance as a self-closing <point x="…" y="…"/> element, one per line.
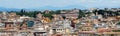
<point x="59" y="18"/>
<point x="59" y="4"/>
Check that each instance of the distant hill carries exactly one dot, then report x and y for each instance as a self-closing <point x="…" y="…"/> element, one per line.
<point x="42" y="8"/>
<point x="58" y="8"/>
<point x="9" y="9"/>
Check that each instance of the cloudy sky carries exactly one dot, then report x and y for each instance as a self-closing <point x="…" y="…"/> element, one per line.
<point x="60" y="3"/>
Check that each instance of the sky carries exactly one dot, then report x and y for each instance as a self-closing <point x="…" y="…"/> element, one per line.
<point x="60" y="3"/>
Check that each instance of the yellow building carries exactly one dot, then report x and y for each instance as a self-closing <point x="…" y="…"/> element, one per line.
<point x="45" y="20"/>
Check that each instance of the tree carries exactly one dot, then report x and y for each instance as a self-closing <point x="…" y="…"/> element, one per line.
<point x="81" y="14"/>
<point x="30" y="14"/>
<point x="95" y="11"/>
<point x="101" y="12"/>
<point x="49" y="15"/>
<point x="57" y="11"/>
<point x="88" y="13"/>
<point x="22" y="12"/>
<point x="118" y="23"/>
<point x="63" y="17"/>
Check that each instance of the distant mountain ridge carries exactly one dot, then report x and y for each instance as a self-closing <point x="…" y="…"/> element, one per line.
<point x="42" y="8"/>
<point x="58" y="8"/>
<point x="9" y="9"/>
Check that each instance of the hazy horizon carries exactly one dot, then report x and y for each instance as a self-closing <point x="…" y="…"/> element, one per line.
<point x="59" y="4"/>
